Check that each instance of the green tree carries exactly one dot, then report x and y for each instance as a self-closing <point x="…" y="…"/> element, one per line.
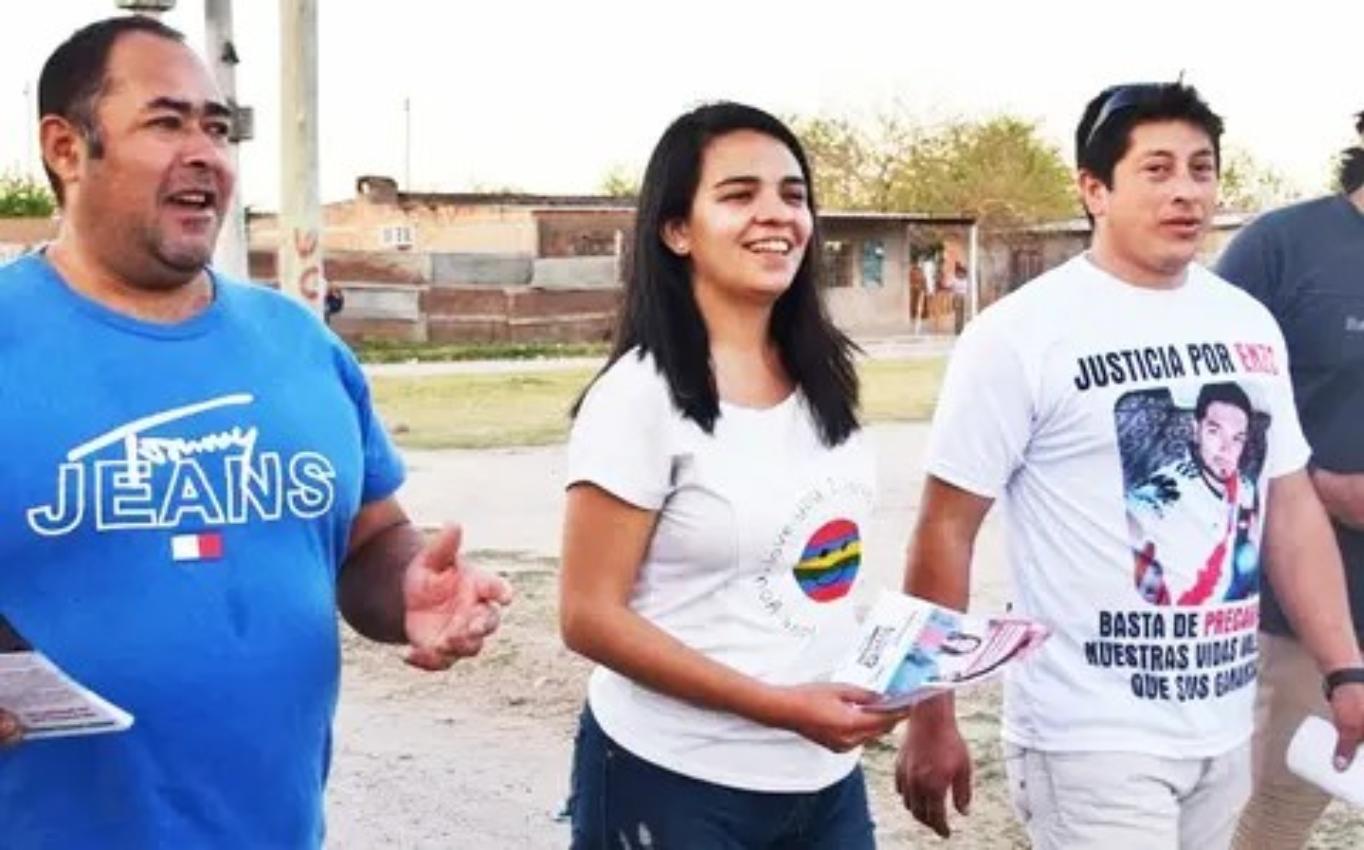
<point x="24" y="197"/>
<point x="999" y="170"/>
<point x="1248" y="185"/>
<point x="620" y="182"/>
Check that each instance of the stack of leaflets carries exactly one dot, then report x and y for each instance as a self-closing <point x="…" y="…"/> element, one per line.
<point x="910" y="650"/>
<point x="49" y="703"/>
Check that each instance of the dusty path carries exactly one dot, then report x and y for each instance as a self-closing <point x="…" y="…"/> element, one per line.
<point x="478" y="757"/>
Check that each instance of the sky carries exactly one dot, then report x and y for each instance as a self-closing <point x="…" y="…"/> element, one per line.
<point x="548" y="97"/>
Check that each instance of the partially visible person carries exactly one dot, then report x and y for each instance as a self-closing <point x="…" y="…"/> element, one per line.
<point x="334" y="302"/>
<point x="719" y="488"/>
<point x="1306" y="264"/>
<point x="961" y="294"/>
<point x="1130" y="726"/>
<point x="195" y="481"/>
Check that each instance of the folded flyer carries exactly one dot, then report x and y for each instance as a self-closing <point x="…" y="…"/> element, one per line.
<point x="48" y="702"/>
<point x="910" y="649"/>
<point x="1310" y="755"/>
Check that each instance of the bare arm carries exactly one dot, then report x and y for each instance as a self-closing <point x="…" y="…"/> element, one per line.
<point x="605" y="540"/>
<point x="1304" y="567"/>
<point x="383" y="542"/>
<point x="938" y="567"/>
<point x="398" y="587"/>
<point x="1342" y="494"/>
<point x="933" y="756"/>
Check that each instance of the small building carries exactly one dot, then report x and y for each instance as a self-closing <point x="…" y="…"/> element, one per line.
<point x="1010" y="258"/>
<point x="472" y="262"/>
<point x="874" y="266"/>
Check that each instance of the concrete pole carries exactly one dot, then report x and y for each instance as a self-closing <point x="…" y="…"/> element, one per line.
<point x="973" y="262"/>
<point x="30" y="168"/>
<point x="230" y="257"/>
<point x="300" y="213"/>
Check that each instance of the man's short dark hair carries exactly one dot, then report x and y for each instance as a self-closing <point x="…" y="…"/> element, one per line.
<point x="1225" y="392"/>
<point x="1350" y="177"/>
<point x="1105" y="130"/>
<point x="75" y="75"/>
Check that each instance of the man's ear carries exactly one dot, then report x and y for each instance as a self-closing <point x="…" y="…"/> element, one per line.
<point x="63" y="148"/>
<point x="677" y="237"/>
<point x="1093" y="193"/>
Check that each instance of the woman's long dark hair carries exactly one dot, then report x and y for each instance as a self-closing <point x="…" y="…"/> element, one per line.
<point x="660" y="315"/>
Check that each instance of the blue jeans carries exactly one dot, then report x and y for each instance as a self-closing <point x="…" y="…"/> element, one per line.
<point x="622" y="802"/>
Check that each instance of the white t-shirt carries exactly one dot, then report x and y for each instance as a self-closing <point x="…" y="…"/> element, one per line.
<point x="752" y="563"/>
<point x="1072" y="401"/>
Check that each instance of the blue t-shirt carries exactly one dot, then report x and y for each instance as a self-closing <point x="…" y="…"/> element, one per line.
<point x="174" y="509"/>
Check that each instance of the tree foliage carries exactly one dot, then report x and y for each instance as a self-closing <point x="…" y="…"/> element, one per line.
<point x="1248" y="185"/>
<point x="620" y="182"/>
<point x="999" y="170"/>
<point x="24" y="197"/>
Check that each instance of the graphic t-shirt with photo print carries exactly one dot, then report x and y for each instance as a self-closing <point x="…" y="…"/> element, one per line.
<point x="1130" y="435"/>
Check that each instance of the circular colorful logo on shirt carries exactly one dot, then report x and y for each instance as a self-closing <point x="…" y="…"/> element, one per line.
<point x="828" y="564"/>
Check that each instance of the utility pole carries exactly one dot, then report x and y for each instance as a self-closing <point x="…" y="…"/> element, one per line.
<point x="407" y="144"/>
<point x="973" y="263"/>
<point x="230" y="257"/>
<point x="150" y="8"/>
<point x="30" y="132"/>
<point x="300" y="215"/>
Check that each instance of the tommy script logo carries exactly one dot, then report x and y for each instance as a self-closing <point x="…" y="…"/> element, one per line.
<point x="155" y="472"/>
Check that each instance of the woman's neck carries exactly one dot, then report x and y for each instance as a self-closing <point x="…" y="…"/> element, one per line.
<point x="747" y="364"/>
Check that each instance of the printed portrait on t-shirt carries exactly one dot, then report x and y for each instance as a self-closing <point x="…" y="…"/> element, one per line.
<point x="1194" y="512"/>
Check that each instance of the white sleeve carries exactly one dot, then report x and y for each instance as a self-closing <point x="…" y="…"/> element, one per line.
<point x="619" y="440"/>
<point x="1288" y="449"/>
<point x="984" y="417"/>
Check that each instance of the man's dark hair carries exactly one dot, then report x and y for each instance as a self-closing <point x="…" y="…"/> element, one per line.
<point x="660" y="315"/>
<point x="1225" y="392"/>
<point x="75" y="77"/>
<point x="1351" y="174"/>
<point x="1104" y="133"/>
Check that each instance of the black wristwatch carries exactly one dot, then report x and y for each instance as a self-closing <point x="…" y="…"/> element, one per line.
<point x="1343" y="676"/>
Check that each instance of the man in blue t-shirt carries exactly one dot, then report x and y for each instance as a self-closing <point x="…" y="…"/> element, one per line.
<point x="1306" y="264"/>
<point x="194" y="481"/>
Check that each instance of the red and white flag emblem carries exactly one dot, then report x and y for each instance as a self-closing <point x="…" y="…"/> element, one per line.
<point x="197" y="547"/>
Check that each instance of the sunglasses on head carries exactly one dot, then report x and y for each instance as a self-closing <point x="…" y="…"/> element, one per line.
<point x="1123" y="97"/>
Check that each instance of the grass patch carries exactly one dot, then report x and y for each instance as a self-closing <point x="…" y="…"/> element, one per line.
<point x="531" y="408"/>
<point x="388" y="351"/>
<point x="478" y="411"/>
<point x="899" y="390"/>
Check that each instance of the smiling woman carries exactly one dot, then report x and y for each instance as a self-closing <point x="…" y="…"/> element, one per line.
<point x="718" y="491"/>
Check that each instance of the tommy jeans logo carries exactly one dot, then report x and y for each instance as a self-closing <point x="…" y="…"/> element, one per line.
<point x="161" y="471"/>
<point x="1353" y="324"/>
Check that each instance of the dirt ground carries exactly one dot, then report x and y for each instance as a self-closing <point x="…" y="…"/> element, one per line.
<point x="478" y="757"/>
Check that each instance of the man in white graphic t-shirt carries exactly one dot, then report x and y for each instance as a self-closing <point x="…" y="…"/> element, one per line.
<point x="1130" y="727"/>
<point x="1193" y="518"/>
